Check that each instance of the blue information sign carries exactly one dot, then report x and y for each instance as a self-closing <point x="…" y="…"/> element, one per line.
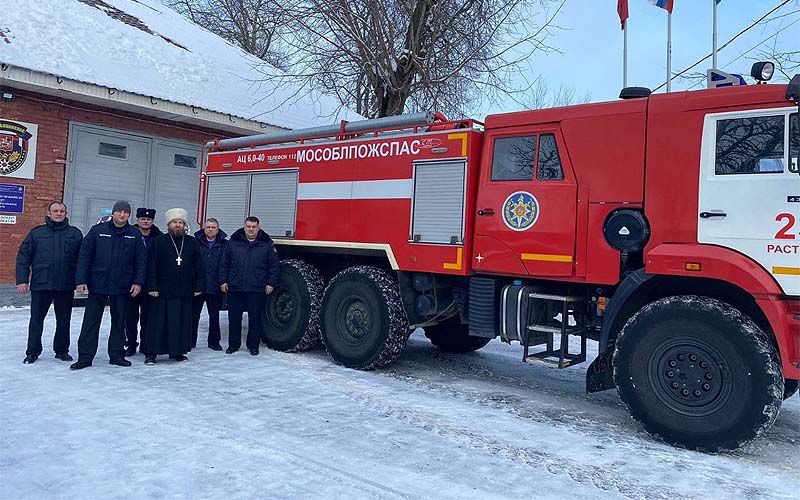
<point x="12" y="198"/>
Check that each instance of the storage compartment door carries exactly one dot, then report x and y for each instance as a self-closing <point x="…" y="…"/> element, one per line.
<point x="438" y="203"/>
<point x="227" y="200"/>
<point x="273" y="199"/>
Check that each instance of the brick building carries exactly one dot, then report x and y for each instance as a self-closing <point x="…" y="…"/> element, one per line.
<point x="111" y="99"/>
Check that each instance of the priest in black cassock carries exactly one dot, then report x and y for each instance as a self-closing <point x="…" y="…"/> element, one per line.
<point x="175" y="273"/>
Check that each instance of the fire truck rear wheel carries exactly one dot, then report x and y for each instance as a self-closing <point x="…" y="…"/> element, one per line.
<point x="454" y="338"/>
<point x="789" y="388"/>
<point x="698" y="373"/>
<point x="364" y="325"/>
<point x="291" y="317"/>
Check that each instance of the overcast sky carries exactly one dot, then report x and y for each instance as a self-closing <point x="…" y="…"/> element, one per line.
<point x="591" y="41"/>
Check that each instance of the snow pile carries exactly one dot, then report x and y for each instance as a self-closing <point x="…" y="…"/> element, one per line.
<point x="143" y="47"/>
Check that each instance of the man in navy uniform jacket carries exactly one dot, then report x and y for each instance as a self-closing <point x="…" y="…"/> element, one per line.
<point x="213" y="243"/>
<point x="50" y="251"/>
<point x="111" y="268"/>
<point x="248" y="272"/>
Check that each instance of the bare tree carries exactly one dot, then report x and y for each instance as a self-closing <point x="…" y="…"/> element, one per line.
<point x="386" y="57"/>
<point x="776" y="30"/>
<point x="772" y="31"/>
<point x="541" y="95"/>
<point x="253" y="25"/>
<point x="787" y="62"/>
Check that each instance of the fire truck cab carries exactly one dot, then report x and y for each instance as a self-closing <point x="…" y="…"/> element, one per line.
<point x="663" y="227"/>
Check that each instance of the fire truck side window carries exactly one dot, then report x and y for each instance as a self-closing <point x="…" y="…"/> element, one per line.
<point x="549" y="168"/>
<point x="750" y="145"/>
<point x="513" y="158"/>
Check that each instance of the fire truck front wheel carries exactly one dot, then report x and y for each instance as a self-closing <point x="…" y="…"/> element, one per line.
<point x="364" y="325"/>
<point x="698" y="373"/>
<point x="291" y="318"/>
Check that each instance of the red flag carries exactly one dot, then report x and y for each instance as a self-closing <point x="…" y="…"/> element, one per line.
<point x="622" y="10"/>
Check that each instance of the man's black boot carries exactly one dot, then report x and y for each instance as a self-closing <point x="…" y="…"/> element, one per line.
<point x="63" y="356"/>
<point x="80" y="364"/>
<point x="130" y="351"/>
<point x="230" y="350"/>
<point x="29" y="359"/>
<point x="119" y="362"/>
<point x="215" y="347"/>
<point x="254" y="352"/>
<point x="149" y="360"/>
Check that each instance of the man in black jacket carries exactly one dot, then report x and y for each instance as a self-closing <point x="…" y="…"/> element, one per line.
<point x="248" y="272"/>
<point x="144" y="223"/>
<point x="111" y="268"/>
<point x="51" y="250"/>
<point x="213" y="244"/>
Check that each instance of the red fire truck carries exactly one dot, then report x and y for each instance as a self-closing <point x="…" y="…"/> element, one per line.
<point x="664" y="227"/>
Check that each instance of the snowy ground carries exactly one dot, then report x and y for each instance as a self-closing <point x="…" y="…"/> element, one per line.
<point x="432" y="425"/>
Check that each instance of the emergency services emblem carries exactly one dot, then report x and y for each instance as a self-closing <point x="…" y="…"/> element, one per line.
<point x="14" y="144"/>
<point x="520" y="211"/>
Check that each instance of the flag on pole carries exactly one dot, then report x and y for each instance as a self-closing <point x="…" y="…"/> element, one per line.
<point x="622" y="10"/>
<point x="665" y="4"/>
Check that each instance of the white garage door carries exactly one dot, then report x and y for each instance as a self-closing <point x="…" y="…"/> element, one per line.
<point x="177" y="181"/>
<point x="108" y="165"/>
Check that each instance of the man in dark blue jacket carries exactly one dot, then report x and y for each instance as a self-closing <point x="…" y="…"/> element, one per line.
<point x="111" y="268"/>
<point x="51" y="251"/>
<point x="248" y="272"/>
<point x="142" y="302"/>
<point x="213" y="243"/>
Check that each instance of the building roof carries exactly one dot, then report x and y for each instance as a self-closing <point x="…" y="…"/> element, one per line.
<point x="144" y="48"/>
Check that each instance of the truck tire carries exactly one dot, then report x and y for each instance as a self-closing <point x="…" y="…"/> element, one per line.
<point x="789" y="388"/>
<point x="291" y="316"/>
<point x="698" y="373"/>
<point x="364" y="325"/>
<point x="454" y="338"/>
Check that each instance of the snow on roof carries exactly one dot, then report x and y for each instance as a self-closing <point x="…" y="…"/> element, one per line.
<point x="144" y="47"/>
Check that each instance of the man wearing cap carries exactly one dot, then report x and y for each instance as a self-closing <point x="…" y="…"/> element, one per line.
<point x="46" y="263"/>
<point x="111" y="268"/>
<point x="175" y="274"/>
<point x="145" y="224"/>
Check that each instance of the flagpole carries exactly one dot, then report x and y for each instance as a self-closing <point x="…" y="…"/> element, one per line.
<point x="714" y="37"/>
<point x="625" y="55"/>
<point x="669" y="50"/>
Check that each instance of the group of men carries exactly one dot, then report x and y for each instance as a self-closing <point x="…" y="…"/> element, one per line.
<point x="155" y="283"/>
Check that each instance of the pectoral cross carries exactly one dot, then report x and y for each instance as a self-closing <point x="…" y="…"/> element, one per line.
<point x="179" y="260"/>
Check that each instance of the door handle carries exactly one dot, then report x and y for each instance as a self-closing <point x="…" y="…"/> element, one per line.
<point x="486" y="212"/>
<point x="708" y="215"/>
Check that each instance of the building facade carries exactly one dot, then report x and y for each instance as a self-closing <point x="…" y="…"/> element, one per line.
<point x="106" y="100"/>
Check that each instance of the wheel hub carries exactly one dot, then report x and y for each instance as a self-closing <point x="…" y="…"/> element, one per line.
<point x="689" y="377"/>
<point x="284" y="306"/>
<point x="357" y="319"/>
